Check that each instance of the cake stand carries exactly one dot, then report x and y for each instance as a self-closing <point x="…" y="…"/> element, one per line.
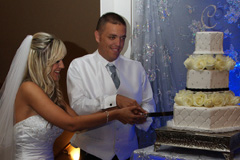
<point x="226" y="142"/>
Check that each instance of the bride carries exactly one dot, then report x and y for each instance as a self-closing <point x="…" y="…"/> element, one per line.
<point x="32" y="110"/>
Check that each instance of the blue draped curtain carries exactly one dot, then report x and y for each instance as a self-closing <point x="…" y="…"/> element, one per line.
<point x="164" y="36"/>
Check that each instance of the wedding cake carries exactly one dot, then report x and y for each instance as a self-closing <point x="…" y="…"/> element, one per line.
<point x="207" y="104"/>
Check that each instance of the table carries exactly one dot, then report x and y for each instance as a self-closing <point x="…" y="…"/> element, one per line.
<point x="177" y="153"/>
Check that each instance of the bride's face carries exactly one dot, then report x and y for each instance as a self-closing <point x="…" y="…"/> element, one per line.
<point x="56" y="69"/>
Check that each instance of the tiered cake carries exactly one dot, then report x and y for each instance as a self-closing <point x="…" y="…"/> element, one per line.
<point x="207" y="104"/>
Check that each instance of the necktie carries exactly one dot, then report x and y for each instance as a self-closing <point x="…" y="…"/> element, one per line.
<point x="114" y="75"/>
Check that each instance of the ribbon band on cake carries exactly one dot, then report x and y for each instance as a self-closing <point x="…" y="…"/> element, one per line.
<point x="207" y="90"/>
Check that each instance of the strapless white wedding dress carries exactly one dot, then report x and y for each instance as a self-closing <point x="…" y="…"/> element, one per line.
<point x="35" y="138"/>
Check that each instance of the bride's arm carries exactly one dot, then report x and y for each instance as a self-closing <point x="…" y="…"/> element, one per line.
<point x="39" y="102"/>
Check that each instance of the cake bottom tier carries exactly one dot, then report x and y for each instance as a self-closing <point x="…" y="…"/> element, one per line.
<point x="216" y="119"/>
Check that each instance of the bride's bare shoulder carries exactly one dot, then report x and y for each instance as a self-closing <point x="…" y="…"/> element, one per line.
<point x="29" y="87"/>
<point x="29" y="84"/>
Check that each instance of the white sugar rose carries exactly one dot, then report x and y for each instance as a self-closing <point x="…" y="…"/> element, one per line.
<point x="188" y="100"/>
<point x="185" y="92"/>
<point x="220" y="63"/>
<point x="208" y="102"/>
<point x="179" y="99"/>
<point x="199" y="99"/>
<point x="230" y="92"/>
<point x="230" y="63"/>
<point x="220" y="57"/>
<point x="188" y="63"/>
<point x="218" y="99"/>
<point x="228" y="95"/>
<point x="234" y="100"/>
<point x="210" y="62"/>
<point x="183" y="98"/>
<point x="200" y="64"/>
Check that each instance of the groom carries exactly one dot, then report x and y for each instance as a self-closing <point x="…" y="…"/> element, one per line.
<point x="106" y="80"/>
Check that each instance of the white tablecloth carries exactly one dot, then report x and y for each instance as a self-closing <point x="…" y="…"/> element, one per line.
<point x="177" y="153"/>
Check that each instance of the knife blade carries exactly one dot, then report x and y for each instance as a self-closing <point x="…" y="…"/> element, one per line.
<point x="158" y="114"/>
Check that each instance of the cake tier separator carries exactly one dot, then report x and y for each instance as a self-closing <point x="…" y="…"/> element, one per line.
<point x="226" y="142"/>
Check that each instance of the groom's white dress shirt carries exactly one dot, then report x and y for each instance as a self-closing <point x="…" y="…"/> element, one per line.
<point x="91" y="88"/>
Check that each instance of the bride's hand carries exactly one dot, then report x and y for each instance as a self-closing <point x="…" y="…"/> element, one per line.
<point x="128" y="115"/>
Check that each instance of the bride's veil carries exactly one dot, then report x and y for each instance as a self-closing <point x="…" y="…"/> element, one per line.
<point x="7" y="98"/>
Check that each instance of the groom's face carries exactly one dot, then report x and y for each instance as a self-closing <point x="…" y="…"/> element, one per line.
<point x="111" y="40"/>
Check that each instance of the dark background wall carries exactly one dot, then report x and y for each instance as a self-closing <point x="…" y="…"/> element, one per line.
<point x="73" y="21"/>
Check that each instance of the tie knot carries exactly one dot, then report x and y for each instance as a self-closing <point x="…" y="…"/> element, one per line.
<point x="112" y="68"/>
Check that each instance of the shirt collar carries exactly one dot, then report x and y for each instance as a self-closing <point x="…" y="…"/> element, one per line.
<point x="105" y="62"/>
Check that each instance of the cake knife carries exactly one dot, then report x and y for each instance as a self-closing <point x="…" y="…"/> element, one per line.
<point x="158" y="114"/>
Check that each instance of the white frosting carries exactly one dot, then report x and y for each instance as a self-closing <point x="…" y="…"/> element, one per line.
<point x="209" y="43"/>
<point x="207" y="79"/>
<point x="216" y="119"/>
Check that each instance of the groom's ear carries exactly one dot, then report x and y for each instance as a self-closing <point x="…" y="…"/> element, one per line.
<point x="97" y="36"/>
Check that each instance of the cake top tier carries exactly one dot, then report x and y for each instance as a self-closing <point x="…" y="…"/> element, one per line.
<point x="209" y="43"/>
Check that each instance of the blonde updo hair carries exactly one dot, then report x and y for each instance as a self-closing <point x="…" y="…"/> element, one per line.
<point x="45" y="51"/>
